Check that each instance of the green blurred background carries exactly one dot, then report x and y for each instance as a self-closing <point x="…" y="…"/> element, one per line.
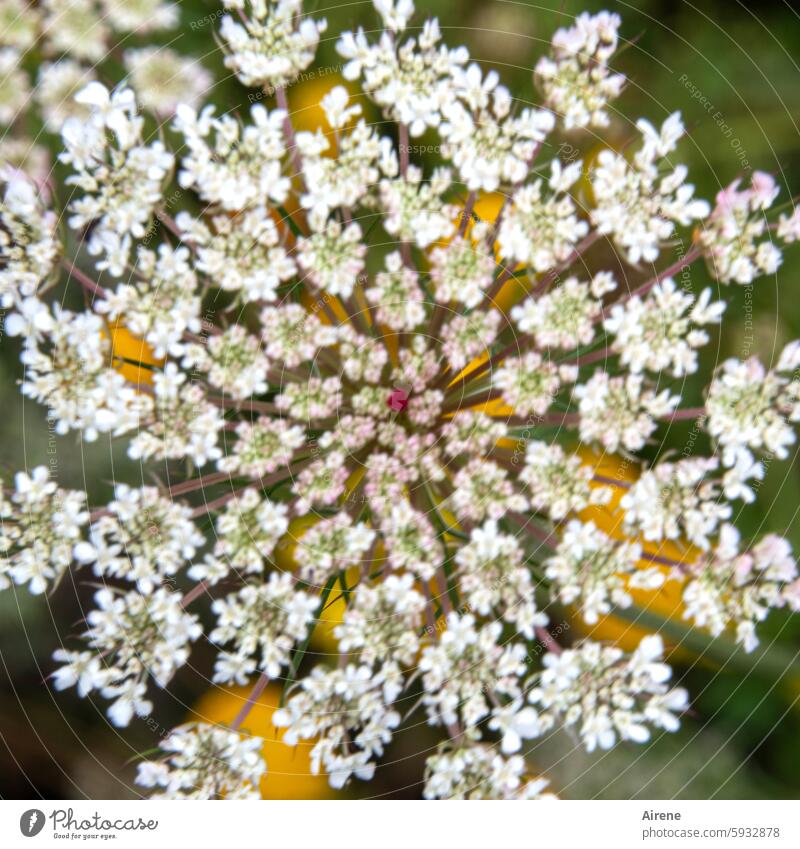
<point x="741" y="740"/>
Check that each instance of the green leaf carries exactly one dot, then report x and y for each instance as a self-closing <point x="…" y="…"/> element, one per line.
<point x="292" y="224"/>
<point x="300" y="652"/>
<point x="769" y="662"/>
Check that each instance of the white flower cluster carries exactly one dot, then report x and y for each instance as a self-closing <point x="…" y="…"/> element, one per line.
<point x="247" y="533"/>
<point x="261" y="447"/>
<point x="461" y="271"/>
<point x="492" y="577"/>
<point x="594" y="571"/>
<point x="19" y="21"/>
<point x="267" y="619"/>
<point x="466" y="664"/>
<point x="269" y="43"/>
<point x="558" y="484"/>
<point x="361" y="158"/>
<point x="565" y="317"/>
<point x="80" y="29"/>
<point x="131" y="638"/>
<point x="15" y="88"/>
<point x="233" y="361"/>
<point x="203" y="761"/>
<point x="637" y="204"/>
<point x="382" y="622"/>
<point x="29" y="248"/>
<point x="397" y="297"/>
<point x="528" y="383"/>
<point x="412" y="81"/>
<point x="19" y="154"/>
<point x="120" y="176"/>
<point x="140" y="16"/>
<point x="412" y="542"/>
<point x="576" y="80"/>
<point x="469" y="432"/>
<point x="542" y="229"/>
<point x="464" y="338"/>
<point x="317" y="398"/>
<point x="789" y="227"/>
<point x="330" y="546"/>
<point x="144" y="538"/>
<point x="751" y="408"/>
<point x="608" y="695"/>
<point x="620" y="412"/>
<point x="347" y="712"/>
<point x="182" y="424"/>
<point x="332" y="257"/>
<point x="292" y="335"/>
<point x="163" y="79"/>
<point x="67" y="358"/>
<point x="657" y="333"/>
<point x="414" y="209"/>
<point x="56" y="86"/>
<point x="676" y="501"/>
<point x="736" y="238"/>
<point x="40" y="525"/>
<point x="482" y="489"/>
<point x="488" y="143"/>
<point x="242" y="253"/>
<point x="162" y="304"/>
<point x="234" y="166"/>
<point x="478" y="772"/>
<point x="729" y="587"/>
<point x="70" y="41"/>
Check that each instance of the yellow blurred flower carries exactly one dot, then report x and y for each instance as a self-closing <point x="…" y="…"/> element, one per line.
<point x="666" y="601"/>
<point x="305" y="100"/>
<point x="127" y="351"/>
<point x="288" y="773"/>
<point x="322" y="640"/>
<point x="487" y="207"/>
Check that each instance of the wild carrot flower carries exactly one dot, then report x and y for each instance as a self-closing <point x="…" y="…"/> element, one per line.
<point x="345" y="400"/>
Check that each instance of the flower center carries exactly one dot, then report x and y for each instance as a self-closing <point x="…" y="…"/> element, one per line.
<point x="397" y="400"/>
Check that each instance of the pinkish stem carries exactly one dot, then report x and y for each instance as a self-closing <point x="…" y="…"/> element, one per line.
<point x="687" y="414"/>
<point x="402" y="133"/>
<point x="288" y="131"/>
<point x="253" y="697"/>
<point x="195" y="592"/>
<point x="548" y="640"/>
<point x="694" y="254"/>
<point x="84" y="279"/>
<point x="466" y="215"/>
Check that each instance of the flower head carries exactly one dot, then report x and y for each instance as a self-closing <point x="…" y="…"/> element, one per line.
<point x="363" y="395"/>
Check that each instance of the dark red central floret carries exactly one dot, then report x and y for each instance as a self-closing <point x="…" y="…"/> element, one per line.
<point x="397" y="400"/>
